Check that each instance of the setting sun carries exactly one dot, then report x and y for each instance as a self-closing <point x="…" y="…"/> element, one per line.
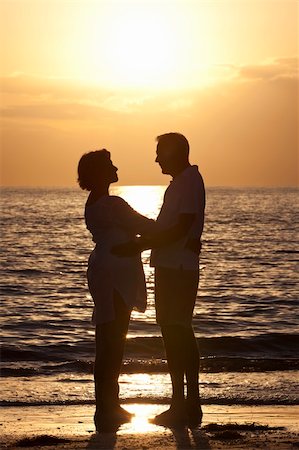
<point x="146" y="44"/>
<point x="141" y="49"/>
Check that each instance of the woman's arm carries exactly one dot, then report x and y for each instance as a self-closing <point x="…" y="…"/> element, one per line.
<point x="126" y="217"/>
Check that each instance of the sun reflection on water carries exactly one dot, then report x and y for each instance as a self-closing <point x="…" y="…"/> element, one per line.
<point x="146" y="200"/>
<point x="149" y="385"/>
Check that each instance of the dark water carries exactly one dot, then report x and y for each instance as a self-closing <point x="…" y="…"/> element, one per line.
<point x="245" y="317"/>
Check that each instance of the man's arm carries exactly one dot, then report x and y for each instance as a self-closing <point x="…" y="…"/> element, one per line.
<point x="169" y="235"/>
<point x="159" y="238"/>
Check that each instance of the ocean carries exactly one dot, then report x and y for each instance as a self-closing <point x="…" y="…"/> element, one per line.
<point x="245" y="316"/>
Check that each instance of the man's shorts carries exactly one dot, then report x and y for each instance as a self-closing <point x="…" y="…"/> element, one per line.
<point x="175" y="295"/>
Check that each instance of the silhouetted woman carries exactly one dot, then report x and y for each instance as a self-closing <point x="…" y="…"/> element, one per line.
<point x="116" y="284"/>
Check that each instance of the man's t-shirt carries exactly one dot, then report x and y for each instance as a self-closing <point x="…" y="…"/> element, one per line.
<point x="184" y="195"/>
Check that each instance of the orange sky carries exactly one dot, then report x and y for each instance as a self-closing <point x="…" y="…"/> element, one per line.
<point x="77" y="75"/>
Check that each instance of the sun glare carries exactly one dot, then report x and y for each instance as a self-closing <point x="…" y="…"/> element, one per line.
<point x="141" y="49"/>
<point x="146" y="44"/>
<point x="136" y="44"/>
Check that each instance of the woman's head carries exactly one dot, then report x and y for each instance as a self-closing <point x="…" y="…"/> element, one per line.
<point x="96" y="168"/>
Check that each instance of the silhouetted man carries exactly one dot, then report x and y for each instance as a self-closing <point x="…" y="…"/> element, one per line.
<point x="175" y="256"/>
<point x="176" y="260"/>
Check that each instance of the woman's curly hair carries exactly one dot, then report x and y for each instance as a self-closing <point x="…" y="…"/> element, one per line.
<point x="90" y="168"/>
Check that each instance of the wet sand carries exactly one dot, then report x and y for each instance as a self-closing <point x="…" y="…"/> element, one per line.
<point x="71" y="427"/>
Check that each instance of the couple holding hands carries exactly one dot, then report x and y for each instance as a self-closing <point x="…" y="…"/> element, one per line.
<point x="117" y="284"/>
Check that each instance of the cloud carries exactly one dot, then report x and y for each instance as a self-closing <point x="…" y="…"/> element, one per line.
<point x="242" y="131"/>
<point x="58" y="98"/>
<point x="271" y="70"/>
<point x="61" y="111"/>
<point x="36" y="98"/>
<point x="34" y="85"/>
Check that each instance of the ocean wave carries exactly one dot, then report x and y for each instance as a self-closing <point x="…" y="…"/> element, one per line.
<point x="26" y="272"/>
<point x="276" y="346"/>
<point x="152" y="366"/>
<point x="14" y="290"/>
<point x="230" y="400"/>
<point x="288" y="251"/>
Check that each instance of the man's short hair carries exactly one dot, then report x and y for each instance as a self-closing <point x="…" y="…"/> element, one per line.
<point x="177" y="141"/>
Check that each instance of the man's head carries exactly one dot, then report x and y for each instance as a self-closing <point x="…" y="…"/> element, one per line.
<point x="172" y="153"/>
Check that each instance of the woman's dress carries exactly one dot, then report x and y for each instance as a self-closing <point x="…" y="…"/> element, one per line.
<point x="112" y="221"/>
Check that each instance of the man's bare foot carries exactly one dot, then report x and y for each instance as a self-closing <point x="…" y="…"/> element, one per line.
<point x="111" y="418"/>
<point x="194" y="413"/>
<point x="172" y="417"/>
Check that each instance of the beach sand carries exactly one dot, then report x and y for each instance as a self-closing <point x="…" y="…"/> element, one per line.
<point x="71" y="427"/>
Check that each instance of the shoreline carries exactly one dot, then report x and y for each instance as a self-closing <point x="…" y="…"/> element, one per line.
<point x="71" y="427"/>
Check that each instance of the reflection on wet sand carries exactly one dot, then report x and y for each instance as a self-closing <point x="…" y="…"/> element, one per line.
<point x="140" y="432"/>
<point x="73" y="427"/>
